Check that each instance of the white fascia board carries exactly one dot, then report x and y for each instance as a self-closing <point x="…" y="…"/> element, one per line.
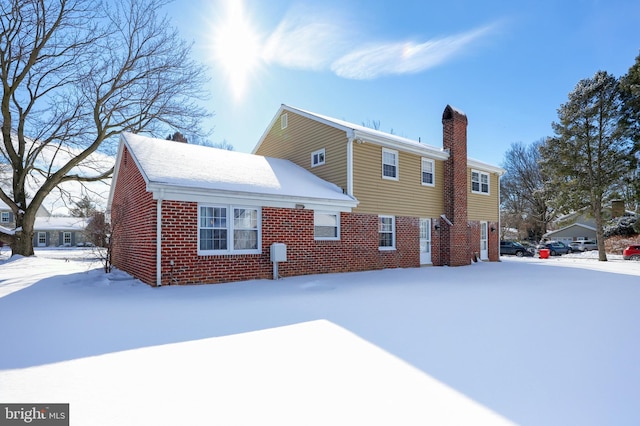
<point x="246" y="198"/>
<point x="475" y="164"/>
<point x="426" y="151"/>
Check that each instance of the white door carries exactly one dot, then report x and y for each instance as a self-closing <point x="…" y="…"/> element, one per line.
<point x="484" y="242"/>
<point x="425" y="241"/>
<point x="42" y="239"/>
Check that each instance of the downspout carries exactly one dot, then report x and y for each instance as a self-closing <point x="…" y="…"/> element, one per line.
<point x="351" y="136"/>
<point x="159" y="240"/>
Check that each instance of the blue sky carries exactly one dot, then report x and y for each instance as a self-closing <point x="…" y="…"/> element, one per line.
<point x="508" y="65"/>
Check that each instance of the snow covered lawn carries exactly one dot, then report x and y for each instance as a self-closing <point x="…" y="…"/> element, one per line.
<point x="528" y="341"/>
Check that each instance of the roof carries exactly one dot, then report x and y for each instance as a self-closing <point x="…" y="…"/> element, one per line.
<point x="177" y="168"/>
<point x="358" y="132"/>
<point x="574" y="225"/>
<point x="60" y="223"/>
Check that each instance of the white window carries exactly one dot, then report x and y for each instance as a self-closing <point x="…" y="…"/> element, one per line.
<point x="387" y="232"/>
<point x="284" y="121"/>
<point x="228" y="229"/>
<point x="389" y="164"/>
<point x="4" y="217"/>
<point x="317" y="158"/>
<point x="66" y="239"/>
<point x="42" y="239"/>
<point x="428" y="168"/>
<point x="479" y="182"/>
<point x="326" y="226"/>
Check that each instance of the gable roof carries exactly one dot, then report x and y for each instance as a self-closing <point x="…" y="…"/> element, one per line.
<point x="575" y="225"/>
<point x="358" y="132"/>
<point x="186" y="172"/>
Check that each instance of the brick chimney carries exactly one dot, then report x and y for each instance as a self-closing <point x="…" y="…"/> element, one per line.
<point x="456" y="247"/>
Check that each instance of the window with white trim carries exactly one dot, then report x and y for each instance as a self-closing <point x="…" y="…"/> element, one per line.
<point x="4" y="217"/>
<point x="326" y="226"/>
<point x="428" y="168"/>
<point x="389" y="164"/>
<point x="284" y="121"/>
<point x="66" y="238"/>
<point x="317" y="158"/>
<point x="228" y="229"/>
<point x="479" y="182"/>
<point x="387" y="232"/>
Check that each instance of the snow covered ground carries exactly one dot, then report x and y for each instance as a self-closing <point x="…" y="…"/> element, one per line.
<point x="527" y="341"/>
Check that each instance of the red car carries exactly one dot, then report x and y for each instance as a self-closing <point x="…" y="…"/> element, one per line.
<point x="631" y="253"/>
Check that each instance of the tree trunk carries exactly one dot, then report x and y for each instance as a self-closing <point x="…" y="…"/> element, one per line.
<point x="597" y="212"/>
<point x="23" y="242"/>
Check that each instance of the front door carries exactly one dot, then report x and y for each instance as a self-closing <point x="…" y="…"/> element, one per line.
<point x="42" y="239"/>
<point x="425" y="241"/>
<point x="484" y="241"/>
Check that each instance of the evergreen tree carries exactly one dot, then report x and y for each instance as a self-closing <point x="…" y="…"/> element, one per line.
<point x="589" y="155"/>
<point x="84" y="207"/>
<point x="630" y="90"/>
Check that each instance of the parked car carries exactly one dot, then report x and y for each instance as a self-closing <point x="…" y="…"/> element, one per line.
<point x="556" y="248"/>
<point x="585" y="245"/>
<point x="513" y="248"/>
<point x="631" y="253"/>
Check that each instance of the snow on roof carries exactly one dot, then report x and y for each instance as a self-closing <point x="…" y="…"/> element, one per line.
<point x="60" y="223"/>
<point x="199" y="167"/>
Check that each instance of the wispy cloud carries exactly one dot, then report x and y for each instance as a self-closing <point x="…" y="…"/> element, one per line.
<point x="320" y="40"/>
<point x="307" y="39"/>
<point x="377" y="60"/>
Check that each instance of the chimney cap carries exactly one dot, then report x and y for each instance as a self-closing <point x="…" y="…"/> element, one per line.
<point x="451" y="112"/>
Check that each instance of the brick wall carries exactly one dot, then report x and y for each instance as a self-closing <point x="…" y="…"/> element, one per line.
<point x="133" y="219"/>
<point x="357" y="250"/>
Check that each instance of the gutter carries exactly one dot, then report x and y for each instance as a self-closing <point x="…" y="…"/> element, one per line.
<point x="159" y="240"/>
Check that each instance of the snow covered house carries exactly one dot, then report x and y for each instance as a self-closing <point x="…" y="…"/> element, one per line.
<point x="53" y="231"/>
<point x="335" y="196"/>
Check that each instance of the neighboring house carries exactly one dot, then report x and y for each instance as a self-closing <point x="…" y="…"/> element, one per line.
<point x="7" y="218"/>
<point x="580" y="225"/>
<point x="339" y="196"/>
<point x="571" y="233"/>
<point x="58" y="231"/>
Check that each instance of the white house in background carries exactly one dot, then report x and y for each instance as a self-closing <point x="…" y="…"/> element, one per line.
<point x="59" y="231"/>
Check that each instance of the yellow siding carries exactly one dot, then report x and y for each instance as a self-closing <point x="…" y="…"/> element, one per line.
<point x="303" y="136"/>
<point x="404" y="197"/>
<point x="481" y="206"/>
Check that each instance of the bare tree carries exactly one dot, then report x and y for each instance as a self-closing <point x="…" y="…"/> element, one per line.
<point x="74" y="74"/>
<point x="522" y="191"/>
